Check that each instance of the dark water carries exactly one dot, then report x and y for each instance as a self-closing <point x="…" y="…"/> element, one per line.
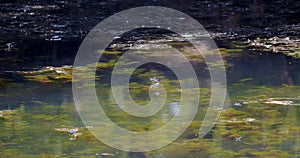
<point x="265" y="68"/>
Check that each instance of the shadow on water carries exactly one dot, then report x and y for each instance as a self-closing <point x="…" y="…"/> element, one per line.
<point x="266" y="69"/>
<point x="36" y="53"/>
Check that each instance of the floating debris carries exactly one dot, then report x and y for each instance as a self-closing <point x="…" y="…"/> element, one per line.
<point x="238" y="139"/>
<point x="250" y="119"/>
<point x="74" y="135"/>
<point x="155" y="82"/>
<point x="154" y="79"/>
<point x="278" y="102"/>
<point x="10" y="46"/>
<point x="237" y="104"/>
<point x="59" y="26"/>
<point x="187" y="36"/>
<point x="59" y="71"/>
<point x="72" y="138"/>
<point x="275" y="44"/>
<point x="108" y="154"/>
<point x="250" y="102"/>
<point x="72" y="131"/>
<point x="55" y="38"/>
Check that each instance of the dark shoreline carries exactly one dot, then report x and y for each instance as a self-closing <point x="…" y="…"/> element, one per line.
<point x="50" y="32"/>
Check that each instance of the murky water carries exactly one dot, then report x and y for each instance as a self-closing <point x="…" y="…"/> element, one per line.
<point x="261" y="118"/>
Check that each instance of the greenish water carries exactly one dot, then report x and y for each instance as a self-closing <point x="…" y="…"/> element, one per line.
<point x="38" y="116"/>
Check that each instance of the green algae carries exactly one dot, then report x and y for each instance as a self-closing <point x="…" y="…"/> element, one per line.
<point x="49" y="74"/>
<point x="266" y="134"/>
<point x="6" y="114"/>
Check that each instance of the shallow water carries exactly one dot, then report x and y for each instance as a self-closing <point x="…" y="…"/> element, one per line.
<point x="39" y="119"/>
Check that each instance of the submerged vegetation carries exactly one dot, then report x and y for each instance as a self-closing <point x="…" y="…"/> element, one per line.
<point x="260" y="117"/>
<point x="49" y="74"/>
<point x="254" y="127"/>
<point x="258" y="120"/>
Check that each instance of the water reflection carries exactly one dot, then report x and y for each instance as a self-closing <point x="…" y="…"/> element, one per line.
<point x="175" y="109"/>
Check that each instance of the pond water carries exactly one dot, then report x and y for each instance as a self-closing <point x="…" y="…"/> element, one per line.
<point x="261" y="116"/>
